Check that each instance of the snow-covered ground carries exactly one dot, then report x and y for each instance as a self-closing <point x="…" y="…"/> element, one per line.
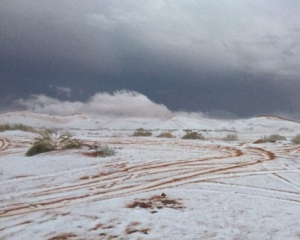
<point x="214" y="189"/>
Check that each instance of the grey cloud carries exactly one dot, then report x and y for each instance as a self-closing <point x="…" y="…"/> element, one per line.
<point x="215" y="48"/>
<point x="97" y="34"/>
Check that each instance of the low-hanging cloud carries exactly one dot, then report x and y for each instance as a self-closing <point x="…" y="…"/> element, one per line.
<point x="118" y="104"/>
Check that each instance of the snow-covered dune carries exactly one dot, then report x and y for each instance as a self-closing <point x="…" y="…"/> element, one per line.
<point x="44" y="120"/>
<point x="264" y="124"/>
<point x="152" y="188"/>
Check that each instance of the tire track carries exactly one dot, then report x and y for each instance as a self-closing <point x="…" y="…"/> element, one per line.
<point x="135" y="168"/>
<point x="4" y="144"/>
<point x="258" y="189"/>
<point x="287" y="181"/>
<point x="116" y="175"/>
<point x="102" y="187"/>
<point x="11" y="146"/>
<point x="270" y="194"/>
<point x="185" y="178"/>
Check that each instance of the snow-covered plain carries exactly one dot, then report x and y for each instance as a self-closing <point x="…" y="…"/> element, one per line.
<point x="214" y="189"/>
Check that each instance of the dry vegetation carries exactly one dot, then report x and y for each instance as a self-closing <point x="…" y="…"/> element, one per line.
<point x="273" y="138"/>
<point x="296" y="139"/>
<point x="166" y="135"/>
<point x="142" y="133"/>
<point x="156" y="202"/>
<point x="12" y="127"/>
<point x="231" y="137"/>
<point x="101" y="151"/>
<point x="48" y="141"/>
<point x="193" y="135"/>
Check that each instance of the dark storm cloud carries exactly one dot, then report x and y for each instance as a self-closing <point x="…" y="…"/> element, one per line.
<point x="236" y="56"/>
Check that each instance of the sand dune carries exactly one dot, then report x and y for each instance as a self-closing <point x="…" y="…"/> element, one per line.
<point x="214" y="189"/>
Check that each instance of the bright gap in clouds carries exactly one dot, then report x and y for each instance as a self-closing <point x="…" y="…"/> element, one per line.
<point x="118" y="104"/>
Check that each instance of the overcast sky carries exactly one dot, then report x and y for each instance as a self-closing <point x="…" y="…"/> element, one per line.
<point x="222" y="58"/>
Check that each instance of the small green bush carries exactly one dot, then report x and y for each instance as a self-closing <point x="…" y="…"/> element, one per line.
<point x="142" y="133"/>
<point x="47" y="141"/>
<point x="166" y="135"/>
<point x="67" y="142"/>
<point x="101" y="151"/>
<point x="5" y="127"/>
<point x="231" y="137"/>
<point x="192" y="135"/>
<point x="273" y="138"/>
<point x="72" y="145"/>
<point x="40" y="148"/>
<point x="296" y="139"/>
<point x="12" y="127"/>
<point x="277" y="137"/>
<point x="104" y="151"/>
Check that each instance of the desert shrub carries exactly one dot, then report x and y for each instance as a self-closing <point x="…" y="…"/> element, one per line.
<point x="4" y="127"/>
<point x="273" y="138"/>
<point x="74" y="144"/>
<point x="67" y="142"/>
<point x="103" y="151"/>
<point x="40" y="148"/>
<point x="277" y="137"/>
<point x="142" y="133"/>
<point x="296" y="139"/>
<point x="231" y="137"/>
<point x="21" y="127"/>
<point x="264" y="139"/>
<point x="48" y="141"/>
<point x="166" y="135"/>
<point x="107" y="151"/>
<point x="192" y="135"/>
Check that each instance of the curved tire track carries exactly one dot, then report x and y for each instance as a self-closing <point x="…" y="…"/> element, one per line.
<point x="127" y="180"/>
<point x="116" y="191"/>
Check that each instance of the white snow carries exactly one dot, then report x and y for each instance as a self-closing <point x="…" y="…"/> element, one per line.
<point x="220" y="190"/>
